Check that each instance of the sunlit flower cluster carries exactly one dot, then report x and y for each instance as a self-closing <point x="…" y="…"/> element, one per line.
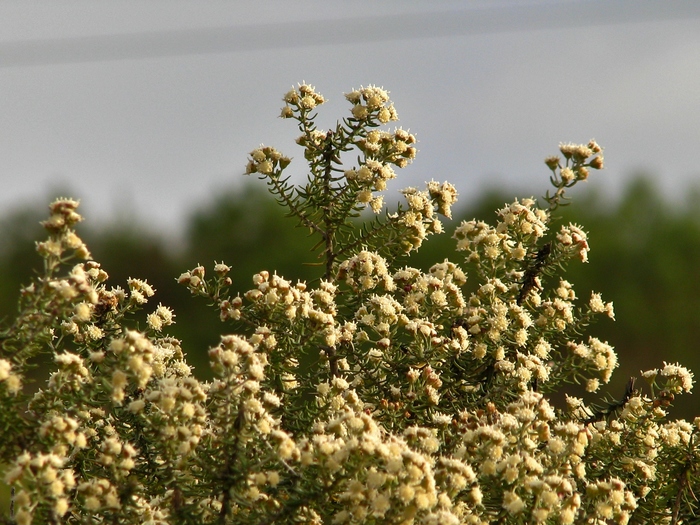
<point x="611" y="500"/>
<point x="437" y="290"/>
<point x="174" y="408"/>
<point x="573" y="239"/>
<point x="366" y="271"/>
<point x="162" y="317"/>
<point x="40" y="478"/>
<point x="60" y="225"/>
<point x="9" y="380"/>
<point x="677" y="378"/>
<point x="98" y="494"/>
<point x="135" y="353"/>
<point x="371" y="176"/>
<point x="266" y="161"/>
<point x="370" y="103"/>
<point x="523" y="219"/>
<point x="396" y="148"/>
<point x="596" y="355"/>
<point x="481" y="240"/>
<point x="419" y="218"/>
<point x="444" y="195"/>
<point x="302" y="98"/>
<point x="578" y="158"/>
<point x="380" y="313"/>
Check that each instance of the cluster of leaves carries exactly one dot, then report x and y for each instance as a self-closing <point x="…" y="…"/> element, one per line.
<point x="378" y="394"/>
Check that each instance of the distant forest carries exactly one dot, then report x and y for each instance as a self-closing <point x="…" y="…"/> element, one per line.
<point x="645" y="257"/>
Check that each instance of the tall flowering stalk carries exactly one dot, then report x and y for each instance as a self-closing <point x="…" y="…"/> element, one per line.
<point x="379" y="393"/>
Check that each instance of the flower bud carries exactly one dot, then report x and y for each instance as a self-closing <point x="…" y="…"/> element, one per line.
<point x="552" y="162"/>
<point x="594" y="147"/>
<point x="596" y="163"/>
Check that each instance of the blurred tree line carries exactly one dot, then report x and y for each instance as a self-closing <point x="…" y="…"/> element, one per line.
<point x="644" y="257"/>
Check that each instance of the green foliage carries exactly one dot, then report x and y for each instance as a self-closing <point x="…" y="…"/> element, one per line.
<point x="18" y="231"/>
<point x="334" y="196"/>
<point x="371" y="391"/>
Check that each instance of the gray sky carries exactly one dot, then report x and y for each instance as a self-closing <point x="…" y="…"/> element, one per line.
<point x="149" y="108"/>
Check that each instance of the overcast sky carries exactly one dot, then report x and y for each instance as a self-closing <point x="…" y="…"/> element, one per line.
<point x="149" y="108"/>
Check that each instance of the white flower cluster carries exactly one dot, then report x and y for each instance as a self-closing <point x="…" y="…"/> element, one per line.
<point x="9" y="380"/>
<point x="302" y="98"/>
<point x="266" y="161"/>
<point x="519" y="223"/>
<point x="370" y="103"/>
<point x="366" y="271"/>
<point x="62" y="238"/>
<point x="395" y="148"/>
<point x="41" y="477"/>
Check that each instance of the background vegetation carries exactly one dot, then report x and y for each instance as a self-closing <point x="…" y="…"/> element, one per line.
<point x="644" y="257"/>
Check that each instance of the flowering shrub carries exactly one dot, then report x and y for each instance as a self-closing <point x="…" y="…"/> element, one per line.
<point x="378" y="394"/>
